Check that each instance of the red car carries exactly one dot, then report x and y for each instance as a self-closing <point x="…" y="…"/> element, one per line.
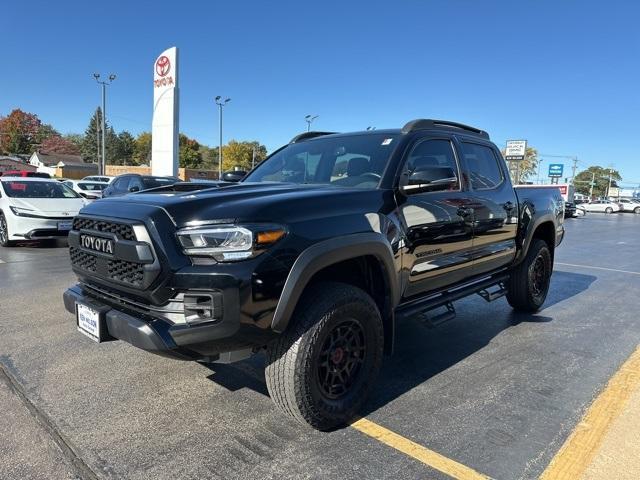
<point x="24" y="173"/>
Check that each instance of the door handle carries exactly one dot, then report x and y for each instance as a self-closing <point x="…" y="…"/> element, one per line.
<point x="465" y="212"/>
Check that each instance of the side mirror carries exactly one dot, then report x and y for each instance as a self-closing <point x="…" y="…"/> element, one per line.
<point x="430" y="179"/>
<point x="134" y="189"/>
<point x="234" y="175"/>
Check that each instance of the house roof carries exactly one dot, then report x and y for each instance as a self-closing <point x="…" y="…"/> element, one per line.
<point x="53" y="159"/>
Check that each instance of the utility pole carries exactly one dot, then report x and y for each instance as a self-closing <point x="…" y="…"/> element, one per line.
<point x="220" y="104"/>
<point x="102" y="163"/>
<point x="539" y="165"/>
<point x="593" y="180"/>
<point x="609" y="186"/>
<point x="574" y="168"/>
<point x="253" y="157"/>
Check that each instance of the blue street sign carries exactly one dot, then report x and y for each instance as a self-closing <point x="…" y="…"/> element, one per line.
<point x="556" y="169"/>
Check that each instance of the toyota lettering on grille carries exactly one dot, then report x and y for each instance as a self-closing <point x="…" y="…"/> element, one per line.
<point x="98" y="244"/>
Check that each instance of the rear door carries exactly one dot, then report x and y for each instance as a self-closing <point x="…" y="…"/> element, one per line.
<point x="494" y="204"/>
<point x="438" y="233"/>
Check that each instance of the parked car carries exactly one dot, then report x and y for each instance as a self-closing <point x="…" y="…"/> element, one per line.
<point x="313" y="266"/>
<point x="36" y="209"/>
<point x="88" y="189"/>
<point x="99" y="178"/>
<point x="131" y="182"/>
<point x="569" y="209"/>
<point x="603" y="206"/>
<point x="629" y="205"/>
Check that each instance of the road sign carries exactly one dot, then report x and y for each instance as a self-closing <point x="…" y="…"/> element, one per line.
<point x="556" y="169"/>
<point x="516" y="149"/>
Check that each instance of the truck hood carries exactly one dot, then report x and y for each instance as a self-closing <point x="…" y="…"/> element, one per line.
<point x="255" y="202"/>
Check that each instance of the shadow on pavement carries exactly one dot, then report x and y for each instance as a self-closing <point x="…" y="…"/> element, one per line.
<point x="421" y="352"/>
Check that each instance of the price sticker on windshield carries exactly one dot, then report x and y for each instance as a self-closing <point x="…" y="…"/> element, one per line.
<point x="387" y="141"/>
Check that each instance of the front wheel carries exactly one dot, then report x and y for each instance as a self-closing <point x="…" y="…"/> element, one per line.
<point x="322" y="368"/>
<point x="4" y="232"/>
<point x="609" y="210"/>
<point x="528" y="284"/>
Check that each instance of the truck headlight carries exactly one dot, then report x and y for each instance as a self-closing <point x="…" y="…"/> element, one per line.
<point x="228" y="243"/>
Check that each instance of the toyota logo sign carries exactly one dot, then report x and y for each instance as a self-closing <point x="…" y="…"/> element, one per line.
<point x="163" y="66"/>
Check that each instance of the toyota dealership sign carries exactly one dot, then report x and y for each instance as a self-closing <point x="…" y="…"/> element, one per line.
<point x="164" y="142"/>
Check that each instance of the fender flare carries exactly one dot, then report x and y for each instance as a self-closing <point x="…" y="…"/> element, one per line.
<point x="329" y="252"/>
<point x="527" y="235"/>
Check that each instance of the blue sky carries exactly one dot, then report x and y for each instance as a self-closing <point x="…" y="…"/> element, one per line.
<point x="563" y="74"/>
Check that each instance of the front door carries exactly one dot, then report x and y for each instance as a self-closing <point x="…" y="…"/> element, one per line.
<point x="437" y="224"/>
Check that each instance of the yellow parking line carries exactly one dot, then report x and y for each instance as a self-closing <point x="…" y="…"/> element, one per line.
<point x="578" y="451"/>
<point x="598" y="268"/>
<point x="420" y="453"/>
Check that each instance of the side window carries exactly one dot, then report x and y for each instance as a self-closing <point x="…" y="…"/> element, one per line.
<point x="121" y="184"/>
<point x="484" y="170"/>
<point x="135" y="182"/>
<point x="433" y="153"/>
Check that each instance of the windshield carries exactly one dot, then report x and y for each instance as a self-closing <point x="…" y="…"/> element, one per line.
<point x="152" y="182"/>
<point x="19" y="189"/>
<point x="92" y="186"/>
<point x="345" y="161"/>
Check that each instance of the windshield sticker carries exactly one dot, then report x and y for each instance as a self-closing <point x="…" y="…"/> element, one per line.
<point x="387" y="141"/>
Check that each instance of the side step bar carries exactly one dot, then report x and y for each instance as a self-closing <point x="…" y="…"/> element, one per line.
<point x="447" y="297"/>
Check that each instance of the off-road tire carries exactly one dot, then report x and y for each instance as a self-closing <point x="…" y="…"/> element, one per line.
<point x="526" y="289"/>
<point x="294" y="365"/>
<point x="4" y="238"/>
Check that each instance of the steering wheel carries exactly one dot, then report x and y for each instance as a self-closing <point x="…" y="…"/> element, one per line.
<point x="371" y="174"/>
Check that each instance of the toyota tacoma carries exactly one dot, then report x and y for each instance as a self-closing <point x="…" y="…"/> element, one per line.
<point x="314" y="256"/>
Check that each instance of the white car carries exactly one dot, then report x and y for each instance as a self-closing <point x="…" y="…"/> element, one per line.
<point x="36" y="209"/>
<point x="99" y="178"/>
<point x="600" y="206"/>
<point x="88" y="189"/>
<point x="629" y="205"/>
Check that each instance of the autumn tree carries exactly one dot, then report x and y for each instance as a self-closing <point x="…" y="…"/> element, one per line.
<point x="190" y="154"/>
<point x="526" y="168"/>
<point x="58" y="144"/>
<point x="240" y="154"/>
<point x="142" y="149"/>
<point x="19" y="132"/>
<point x="600" y="177"/>
<point x="75" y="138"/>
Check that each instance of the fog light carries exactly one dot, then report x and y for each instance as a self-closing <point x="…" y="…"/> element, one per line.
<point x="202" y="307"/>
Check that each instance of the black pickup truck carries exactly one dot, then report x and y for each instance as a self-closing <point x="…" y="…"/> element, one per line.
<point x="314" y="256"/>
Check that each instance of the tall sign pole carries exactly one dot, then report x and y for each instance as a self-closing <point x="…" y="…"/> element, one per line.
<point x="164" y="132"/>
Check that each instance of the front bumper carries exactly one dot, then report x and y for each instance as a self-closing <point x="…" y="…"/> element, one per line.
<point x="36" y="228"/>
<point x="158" y="335"/>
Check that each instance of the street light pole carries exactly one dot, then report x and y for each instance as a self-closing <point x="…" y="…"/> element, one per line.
<point x="102" y="162"/>
<point x="539" y="165"/>
<point x="220" y="104"/>
<point x="309" y="119"/>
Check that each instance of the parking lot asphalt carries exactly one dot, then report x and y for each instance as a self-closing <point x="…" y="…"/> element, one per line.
<point x="494" y="391"/>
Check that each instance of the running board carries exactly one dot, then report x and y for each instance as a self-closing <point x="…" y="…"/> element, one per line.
<point x="423" y="305"/>
<point x="439" y="319"/>
<point x="491" y="295"/>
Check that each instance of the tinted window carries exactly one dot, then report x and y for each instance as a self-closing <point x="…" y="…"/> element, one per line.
<point x="342" y="161"/>
<point x="91" y="186"/>
<point x="121" y="184"/>
<point x="432" y="153"/>
<point x="484" y="170"/>
<point x="152" y="182"/>
<point x="20" y="189"/>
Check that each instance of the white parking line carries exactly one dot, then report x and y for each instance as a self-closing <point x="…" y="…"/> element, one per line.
<point x="597" y="268"/>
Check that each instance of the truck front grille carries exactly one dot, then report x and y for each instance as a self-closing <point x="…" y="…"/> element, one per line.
<point x="126" y="272"/>
<point x="121" y="230"/>
<point x="82" y="260"/>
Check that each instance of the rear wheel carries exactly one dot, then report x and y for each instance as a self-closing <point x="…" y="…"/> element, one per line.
<point x="636" y="210"/>
<point x="608" y="210"/>
<point x="322" y="368"/>
<point x="4" y="232"/>
<point x="528" y="284"/>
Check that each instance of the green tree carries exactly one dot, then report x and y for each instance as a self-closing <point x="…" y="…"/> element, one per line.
<point x="600" y="176"/>
<point x="124" y="149"/>
<point x="89" y="147"/>
<point x="19" y="132"/>
<point x="142" y="149"/>
<point x="45" y="132"/>
<point x="240" y="154"/>
<point x="190" y="154"/>
<point x="75" y="138"/>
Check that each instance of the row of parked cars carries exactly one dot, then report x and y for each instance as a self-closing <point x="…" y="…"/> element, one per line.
<point x="631" y="205"/>
<point x="34" y="206"/>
